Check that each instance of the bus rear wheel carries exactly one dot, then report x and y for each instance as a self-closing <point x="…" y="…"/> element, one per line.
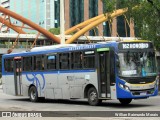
<point x="93" y="97"/>
<point x="33" y="94"/>
<point x="125" y="101"/>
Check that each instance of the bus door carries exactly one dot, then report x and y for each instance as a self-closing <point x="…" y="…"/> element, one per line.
<point x="103" y="60"/>
<point x="18" y="75"/>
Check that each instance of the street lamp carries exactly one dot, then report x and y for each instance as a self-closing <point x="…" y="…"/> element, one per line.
<point x="62" y="29"/>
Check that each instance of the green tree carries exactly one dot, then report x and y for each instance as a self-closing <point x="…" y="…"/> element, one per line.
<point x="55" y="31"/>
<point x="146" y="16"/>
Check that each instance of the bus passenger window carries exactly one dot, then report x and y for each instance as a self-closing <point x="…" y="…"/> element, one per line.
<point x="77" y="60"/>
<point x="64" y="61"/>
<point x="89" y="59"/>
<point x="39" y="62"/>
<point x="8" y="65"/>
<point x="51" y="62"/>
<point x="27" y="64"/>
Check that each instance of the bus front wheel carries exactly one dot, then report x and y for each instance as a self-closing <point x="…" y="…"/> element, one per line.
<point x="33" y="94"/>
<point x="93" y="97"/>
<point x="125" y="101"/>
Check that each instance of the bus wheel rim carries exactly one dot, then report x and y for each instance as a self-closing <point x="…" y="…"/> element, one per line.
<point x="33" y="95"/>
<point x="93" y="96"/>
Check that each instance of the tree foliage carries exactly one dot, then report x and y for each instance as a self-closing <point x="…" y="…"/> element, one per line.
<point x="146" y="15"/>
<point x="55" y="31"/>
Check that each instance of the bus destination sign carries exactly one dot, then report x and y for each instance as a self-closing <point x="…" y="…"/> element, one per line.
<point x="124" y="46"/>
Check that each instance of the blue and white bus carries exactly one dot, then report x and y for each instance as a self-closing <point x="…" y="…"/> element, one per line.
<point x="122" y="70"/>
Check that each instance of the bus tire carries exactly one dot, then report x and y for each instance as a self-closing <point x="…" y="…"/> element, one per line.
<point x="93" y="97"/>
<point x="33" y="94"/>
<point x="125" y="101"/>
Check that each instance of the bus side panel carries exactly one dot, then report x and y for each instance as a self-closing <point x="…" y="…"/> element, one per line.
<point x="113" y="92"/>
<point x="51" y="82"/>
<point x="8" y="84"/>
<point x="36" y="79"/>
<point x="25" y="85"/>
<point x="73" y="84"/>
<point x="64" y="82"/>
<point x="68" y="85"/>
<point x="92" y="79"/>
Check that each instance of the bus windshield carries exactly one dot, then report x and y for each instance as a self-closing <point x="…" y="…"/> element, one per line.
<point x="136" y="64"/>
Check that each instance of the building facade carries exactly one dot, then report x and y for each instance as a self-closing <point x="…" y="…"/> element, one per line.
<point x="77" y="11"/>
<point x="5" y="4"/>
<point x="40" y="12"/>
<point x="46" y="13"/>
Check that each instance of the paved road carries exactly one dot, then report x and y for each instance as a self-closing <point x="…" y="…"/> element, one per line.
<point x="18" y="103"/>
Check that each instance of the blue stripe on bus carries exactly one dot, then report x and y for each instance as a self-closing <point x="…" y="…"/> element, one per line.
<point x="53" y="72"/>
<point x="33" y="79"/>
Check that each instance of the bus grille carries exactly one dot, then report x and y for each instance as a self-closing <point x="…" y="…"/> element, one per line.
<point x="142" y="92"/>
<point x="139" y="80"/>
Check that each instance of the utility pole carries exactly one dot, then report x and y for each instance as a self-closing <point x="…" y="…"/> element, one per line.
<point x="62" y="29"/>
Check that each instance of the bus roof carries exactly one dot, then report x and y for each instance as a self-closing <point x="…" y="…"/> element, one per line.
<point x="53" y="47"/>
<point x="69" y="47"/>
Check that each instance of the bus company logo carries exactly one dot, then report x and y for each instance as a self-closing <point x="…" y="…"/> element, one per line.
<point x="82" y="47"/>
<point x="135" y="45"/>
<point x="21" y="114"/>
<point x="6" y="114"/>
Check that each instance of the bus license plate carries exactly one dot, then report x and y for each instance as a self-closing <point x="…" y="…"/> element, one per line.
<point x="143" y="93"/>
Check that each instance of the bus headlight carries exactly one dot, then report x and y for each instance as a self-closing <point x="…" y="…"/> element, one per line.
<point x="124" y="87"/>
